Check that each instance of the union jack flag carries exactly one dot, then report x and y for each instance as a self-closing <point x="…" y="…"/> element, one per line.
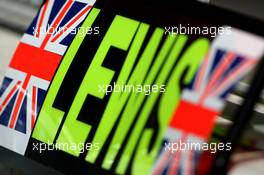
<point x="201" y="102"/>
<point x="36" y="60"/>
<point x="175" y="158"/>
<point x="204" y="98"/>
<point x="217" y="76"/>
